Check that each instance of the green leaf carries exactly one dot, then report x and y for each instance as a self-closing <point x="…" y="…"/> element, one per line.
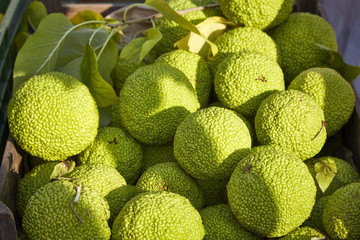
<point x="325" y="171"/>
<point x="102" y="91"/>
<point x="62" y="168"/>
<point x="335" y="184"/>
<point x="336" y="61"/>
<point x="211" y="28"/>
<point x="163" y="7"/>
<point x="73" y="68"/>
<point x="105" y="116"/>
<point x="35" y="13"/>
<point x="138" y="48"/>
<point x="40" y="52"/>
<point x="88" y="15"/>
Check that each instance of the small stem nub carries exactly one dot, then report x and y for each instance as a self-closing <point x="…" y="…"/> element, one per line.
<point x="323" y="124"/>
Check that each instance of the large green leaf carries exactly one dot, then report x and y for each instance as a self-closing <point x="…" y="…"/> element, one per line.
<point x="163" y="7"/>
<point x="136" y="49"/>
<point x="102" y="91"/>
<point x="336" y="61"/>
<point x="325" y="173"/>
<point x="40" y="52"/>
<point x="62" y="168"/>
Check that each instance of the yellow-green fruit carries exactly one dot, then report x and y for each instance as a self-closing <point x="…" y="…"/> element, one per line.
<point x="209" y="143"/>
<point x="214" y="191"/>
<point x="244" y="79"/>
<point x="172" y="178"/>
<point x="196" y="70"/>
<point x="154" y="100"/>
<point x="53" y="116"/>
<point x="243" y="39"/>
<point x="344" y="172"/>
<point x="53" y="214"/>
<point x="316" y="217"/>
<point x="298" y="38"/>
<point x="303" y="233"/>
<point x="221" y="224"/>
<point x="331" y="91"/>
<point x="341" y="216"/>
<point x="291" y="119"/>
<point x="154" y="154"/>
<point x="158" y="216"/>
<point x="31" y="182"/>
<point x="271" y="192"/>
<point x="101" y="178"/>
<point x="114" y="147"/>
<point x="172" y="32"/>
<point x="261" y="14"/>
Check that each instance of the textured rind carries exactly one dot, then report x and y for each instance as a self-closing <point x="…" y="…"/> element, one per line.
<point x="345" y="172"/>
<point x="172" y="32"/>
<point x="316" y="217"/>
<point x="261" y="14"/>
<point x="195" y="69"/>
<point x="53" y="116"/>
<point x="101" y="178"/>
<point x="271" y="192"/>
<point x="31" y="182"/>
<point x="305" y="30"/>
<point x="114" y="147"/>
<point x="49" y="215"/>
<point x="331" y="91"/>
<point x="341" y="215"/>
<point x="243" y="39"/>
<point x="158" y="216"/>
<point x="214" y="191"/>
<point x="221" y="224"/>
<point x="209" y="143"/>
<point x="172" y="178"/>
<point x="291" y="119"/>
<point x="244" y="79"/>
<point x="153" y="102"/>
<point x="303" y="233"/>
<point x="154" y="154"/>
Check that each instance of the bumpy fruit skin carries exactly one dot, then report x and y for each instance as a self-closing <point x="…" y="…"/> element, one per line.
<point x="116" y="148"/>
<point x="172" y="32"/>
<point x="154" y="154"/>
<point x="31" y="182"/>
<point x="244" y="79"/>
<point x="172" y="178"/>
<point x="331" y="91"/>
<point x="316" y="217"/>
<point x="303" y="233"/>
<point x="221" y="224"/>
<point x="341" y="215"/>
<point x="49" y="215"/>
<point x="214" y="191"/>
<point x="153" y="102"/>
<point x="53" y="116"/>
<point x="196" y="70"/>
<point x="291" y="119"/>
<point x="298" y="38"/>
<point x="271" y="192"/>
<point x="243" y="39"/>
<point x="158" y="216"/>
<point x="261" y="14"/>
<point x="209" y="143"/>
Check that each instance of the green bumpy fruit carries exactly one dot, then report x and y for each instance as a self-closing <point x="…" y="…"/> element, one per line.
<point x="316" y="217"/>
<point x="341" y="215"/>
<point x="209" y="143"/>
<point x="158" y="216"/>
<point x="172" y="178"/>
<point x="271" y="192"/>
<point x="244" y="79"/>
<point x="303" y="233"/>
<point x="294" y="120"/>
<point x="221" y="224"/>
<point x="242" y="39"/>
<point x="154" y="100"/>
<point x="331" y="91"/>
<point x="116" y="148"/>
<point x="261" y="14"/>
<point x="196" y="70"/>
<point x="49" y="214"/>
<point x="53" y="116"/>
<point x="154" y="154"/>
<point x="298" y="38"/>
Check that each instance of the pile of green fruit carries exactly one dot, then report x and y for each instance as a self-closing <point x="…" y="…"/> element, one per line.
<point x="223" y="130"/>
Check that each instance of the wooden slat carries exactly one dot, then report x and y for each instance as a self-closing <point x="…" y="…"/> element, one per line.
<point x="7" y="224"/>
